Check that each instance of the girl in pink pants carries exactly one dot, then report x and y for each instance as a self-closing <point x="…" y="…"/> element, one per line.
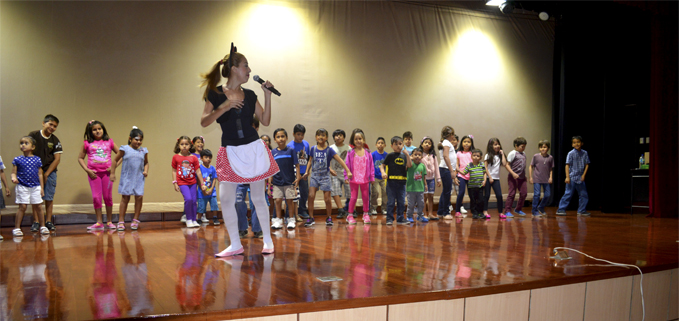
<point x="360" y="163"/>
<point x="97" y="147"/>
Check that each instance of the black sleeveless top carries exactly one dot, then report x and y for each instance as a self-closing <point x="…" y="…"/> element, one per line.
<point x="236" y="123"/>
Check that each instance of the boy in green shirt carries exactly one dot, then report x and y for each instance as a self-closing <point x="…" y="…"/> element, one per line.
<point x="477" y="179"/>
<point x="415" y="187"/>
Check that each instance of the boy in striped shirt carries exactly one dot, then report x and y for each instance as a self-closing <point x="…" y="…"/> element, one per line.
<point x="477" y="179"/>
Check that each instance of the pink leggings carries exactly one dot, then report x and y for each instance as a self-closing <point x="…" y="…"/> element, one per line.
<point x="101" y="186"/>
<point x="365" y="196"/>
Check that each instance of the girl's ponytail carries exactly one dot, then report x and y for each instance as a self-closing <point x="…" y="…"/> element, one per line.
<point x="211" y="79"/>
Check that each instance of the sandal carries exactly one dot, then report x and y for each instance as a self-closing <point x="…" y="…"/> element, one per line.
<point x="121" y="226"/>
<point x="135" y="224"/>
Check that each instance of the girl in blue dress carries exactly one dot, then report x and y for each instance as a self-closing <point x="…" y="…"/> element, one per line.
<point x="135" y="168"/>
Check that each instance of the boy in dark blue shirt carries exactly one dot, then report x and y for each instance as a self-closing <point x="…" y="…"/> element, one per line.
<point x="285" y="181"/>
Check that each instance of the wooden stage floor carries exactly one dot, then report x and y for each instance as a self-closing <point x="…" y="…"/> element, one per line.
<point x="165" y="270"/>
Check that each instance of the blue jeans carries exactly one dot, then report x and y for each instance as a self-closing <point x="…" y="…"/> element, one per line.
<point x="498" y="195"/>
<point x="444" y="199"/>
<point x="582" y="193"/>
<point x="537" y="205"/>
<point x="242" y="210"/>
<point x="460" y="194"/>
<point x="396" y="193"/>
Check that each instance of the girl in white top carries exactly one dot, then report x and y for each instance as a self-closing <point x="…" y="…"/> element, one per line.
<point x="494" y="159"/>
<point x="447" y="169"/>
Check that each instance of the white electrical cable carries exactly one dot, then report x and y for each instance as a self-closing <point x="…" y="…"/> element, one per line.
<point x="641" y="275"/>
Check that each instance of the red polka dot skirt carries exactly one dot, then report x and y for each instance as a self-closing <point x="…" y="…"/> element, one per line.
<point x="226" y="174"/>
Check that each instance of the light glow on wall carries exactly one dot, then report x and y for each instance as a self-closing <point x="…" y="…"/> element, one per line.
<point x="475" y="57"/>
<point x="275" y="27"/>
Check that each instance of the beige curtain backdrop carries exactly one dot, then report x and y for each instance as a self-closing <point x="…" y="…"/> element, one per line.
<point x="384" y="67"/>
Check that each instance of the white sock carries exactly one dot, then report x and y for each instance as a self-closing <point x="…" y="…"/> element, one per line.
<point x="259" y="200"/>
<point x="227" y="195"/>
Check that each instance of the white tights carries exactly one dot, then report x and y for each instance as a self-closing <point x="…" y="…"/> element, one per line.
<point x="227" y="196"/>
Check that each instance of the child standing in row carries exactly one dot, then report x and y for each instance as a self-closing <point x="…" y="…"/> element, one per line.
<point x="516" y="165"/>
<point x="338" y="186"/>
<point x="494" y="159"/>
<point x="301" y="147"/>
<point x="543" y="163"/>
<point x="432" y="179"/>
<point x="416" y="187"/>
<point x="379" y="185"/>
<point x="395" y="169"/>
<point x="477" y="179"/>
<point x="198" y="143"/>
<point x="447" y="169"/>
<point x="208" y="195"/>
<point x="135" y="168"/>
<point x="4" y="186"/>
<point x="27" y="174"/>
<point x="408" y="142"/>
<point x="359" y="174"/>
<point x="286" y="180"/>
<point x="319" y="171"/>
<point x="98" y="147"/>
<point x="48" y="148"/>
<point x="185" y="174"/>
<point x="577" y="164"/>
<point x="464" y="157"/>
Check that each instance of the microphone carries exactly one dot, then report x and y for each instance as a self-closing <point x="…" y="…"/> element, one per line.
<point x="273" y="90"/>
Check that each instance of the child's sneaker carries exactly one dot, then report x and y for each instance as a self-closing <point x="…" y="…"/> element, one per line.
<point x="341" y="213"/>
<point x="183" y="219"/>
<point x="309" y="222"/>
<point x="458" y="214"/>
<point x="215" y="221"/>
<point x="448" y="217"/>
<point x="462" y="210"/>
<point x="243" y="234"/>
<point x="520" y="213"/>
<point x="292" y="223"/>
<point x="366" y="218"/>
<point x="410" y="220"/>
<point x="402" y="221"/>
<point x="328" y="221"/>
<point x="584" y="214"/>
<point x="50" y="226"/>
<point x="541" y="211"/>
<point x="96" y="226"/>
<point x="434" y="217"/>
<point x="35" y="227"/>
<point x="535" y="214"/>
<point x="277" y="223"/>
<point x="509" y="214"/>
<point x="121" y="226"/>
<point x="561" y="212"/>
<point x="17" y="232"/>
<point x="373" y="212"/>
<point x="486" y="216"/>
<point x="205" y="220"/>
<point x="422" y="219"/>
<point x="390" y="222"/>
<point x="111" y="226"/>
<point x="384" y="212"/>
<point x="502" y="216"/>
<point x="44" y="230"/>
<point x="258" y="235"/>
<point x="350" y="219"/>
